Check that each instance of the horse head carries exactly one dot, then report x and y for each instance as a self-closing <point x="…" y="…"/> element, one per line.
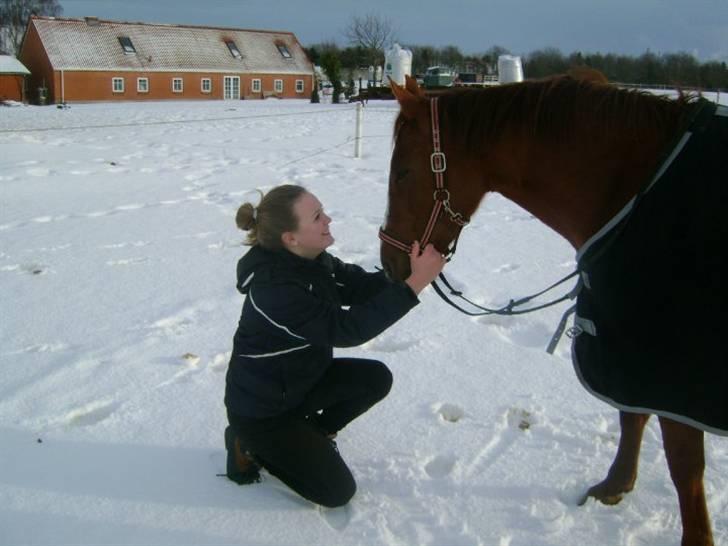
<point x="431" y="195"/>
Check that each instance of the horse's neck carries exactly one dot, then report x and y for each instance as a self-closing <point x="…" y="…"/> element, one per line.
<point x="575" y="187"/>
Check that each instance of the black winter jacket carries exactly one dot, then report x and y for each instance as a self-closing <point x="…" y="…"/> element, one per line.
<point x="293" y="315"/>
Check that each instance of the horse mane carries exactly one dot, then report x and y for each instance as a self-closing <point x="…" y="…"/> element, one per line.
<point x="555" y="108"/>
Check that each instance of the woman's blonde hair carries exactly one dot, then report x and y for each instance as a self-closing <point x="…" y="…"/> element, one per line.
<point x="271" y="218"/>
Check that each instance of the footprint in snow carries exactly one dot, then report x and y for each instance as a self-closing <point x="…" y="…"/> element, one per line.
<point x="506" y="268"/>
<point x="32" y="269"/>
<point x="173" y="326"/>
<point x="440" y="466"/>
<point x="520" y="418"/>
<point x="191" y="366"/>
<point x="90" y="414"/>
<point x="191" y="359"/>
<point x="220" y="361"/>
<point x="450" y="413"/>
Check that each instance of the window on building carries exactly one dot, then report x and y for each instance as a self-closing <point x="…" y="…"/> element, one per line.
<point x="206" y="85"/>
<point x="278" y="86"/>
<point x="143" y="85"/>
<point x="283" y="48"/>
<point x="234" y="51"/>
<point x="256" y="86"/>
<point x="299" y="86"/>
<point x="126" y="45"/>
<point x="177" y="86"/>
<point x="117" y="85"/>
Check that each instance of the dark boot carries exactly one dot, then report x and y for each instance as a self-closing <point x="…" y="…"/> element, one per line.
<point x="241" y="466"/>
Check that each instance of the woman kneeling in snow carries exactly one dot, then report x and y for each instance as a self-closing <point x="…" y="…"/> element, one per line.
<point x="286" y="395"/>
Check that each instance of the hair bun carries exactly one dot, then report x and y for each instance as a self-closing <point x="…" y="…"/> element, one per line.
<point x="245" y="218"/>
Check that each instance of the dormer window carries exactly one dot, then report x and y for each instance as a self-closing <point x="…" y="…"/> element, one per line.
<point x="283" y="48"/>
<point x="234" y="51"/>
<point x="126" y="45"/>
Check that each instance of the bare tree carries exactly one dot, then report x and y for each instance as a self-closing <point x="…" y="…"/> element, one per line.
<point x="371" y="32"/>
<point x="14" y="16"/>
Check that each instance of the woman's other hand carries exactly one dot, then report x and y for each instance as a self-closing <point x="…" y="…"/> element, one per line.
<point x="425" y="266"/>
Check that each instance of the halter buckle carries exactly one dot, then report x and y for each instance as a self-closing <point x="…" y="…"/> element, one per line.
<point x="441" y="195"/>
<point x="438" y="163"/>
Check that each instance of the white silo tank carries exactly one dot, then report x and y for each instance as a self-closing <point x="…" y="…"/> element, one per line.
<point x="397" y="64"/>
<point x="510" y="69"/>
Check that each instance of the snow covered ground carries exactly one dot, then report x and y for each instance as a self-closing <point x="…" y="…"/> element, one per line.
<point x="118" y="304"/>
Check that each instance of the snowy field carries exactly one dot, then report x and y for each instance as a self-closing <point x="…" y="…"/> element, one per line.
<point x="117" y="283"/>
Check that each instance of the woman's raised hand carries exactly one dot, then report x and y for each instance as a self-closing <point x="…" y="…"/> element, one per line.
<point x="425" y="266"/>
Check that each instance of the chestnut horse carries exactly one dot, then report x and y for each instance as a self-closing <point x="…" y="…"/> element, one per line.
<point x="578" y="154"/>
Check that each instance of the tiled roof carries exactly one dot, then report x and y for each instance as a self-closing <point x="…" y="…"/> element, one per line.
<point x="11" y="65"/>
<point x="78" y="44"/>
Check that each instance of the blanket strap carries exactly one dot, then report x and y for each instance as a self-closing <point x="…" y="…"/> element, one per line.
<point x="551" y="347"/>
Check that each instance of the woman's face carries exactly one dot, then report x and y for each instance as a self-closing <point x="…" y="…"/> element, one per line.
<point x="312" y="236"/>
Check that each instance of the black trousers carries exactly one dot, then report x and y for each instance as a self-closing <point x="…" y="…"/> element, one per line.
<point x="295" y="446"/>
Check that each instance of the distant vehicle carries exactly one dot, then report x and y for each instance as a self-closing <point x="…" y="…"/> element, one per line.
<point x="474" y="79"/>
<point x="438" y="76"/>
<point x="468" y="78"/>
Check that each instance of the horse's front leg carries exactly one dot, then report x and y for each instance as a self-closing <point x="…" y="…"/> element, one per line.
<point x="685" y="454"/>
<point x="623" y="472"/>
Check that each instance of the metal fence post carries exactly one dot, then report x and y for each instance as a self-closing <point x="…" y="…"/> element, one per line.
<point x="357" y="136"/>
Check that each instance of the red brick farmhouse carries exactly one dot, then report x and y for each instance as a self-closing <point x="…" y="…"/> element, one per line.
<point x="79" y="60"/>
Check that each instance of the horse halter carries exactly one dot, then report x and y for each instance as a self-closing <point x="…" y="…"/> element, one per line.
<point x="441" y="196"/>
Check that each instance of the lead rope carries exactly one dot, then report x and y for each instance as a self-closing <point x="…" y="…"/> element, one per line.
<point x="510" y="308"/>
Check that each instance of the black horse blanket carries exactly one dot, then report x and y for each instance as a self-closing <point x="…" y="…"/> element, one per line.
<point x="651" y="326"/>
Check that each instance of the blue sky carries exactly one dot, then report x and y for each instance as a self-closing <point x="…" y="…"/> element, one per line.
<point x="628" y="27"/>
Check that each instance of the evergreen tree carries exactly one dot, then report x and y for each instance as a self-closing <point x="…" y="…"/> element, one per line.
<point x="331" y="65"/>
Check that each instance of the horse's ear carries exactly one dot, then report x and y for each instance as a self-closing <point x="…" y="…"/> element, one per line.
<point x="408" y="101"/>
<point x="411" y="85"/>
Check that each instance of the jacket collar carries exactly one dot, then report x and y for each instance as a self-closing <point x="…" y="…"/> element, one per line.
<point x="259" y="261"/>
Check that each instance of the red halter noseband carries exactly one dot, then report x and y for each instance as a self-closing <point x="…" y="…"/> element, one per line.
<point x="438" y="165"/>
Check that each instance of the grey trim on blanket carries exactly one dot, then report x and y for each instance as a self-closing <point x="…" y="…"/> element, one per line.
<point x="628" y="207"/>
<point x="636" y="409"/>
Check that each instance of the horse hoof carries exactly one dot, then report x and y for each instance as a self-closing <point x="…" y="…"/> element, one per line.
<point x="609" y="500"/>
